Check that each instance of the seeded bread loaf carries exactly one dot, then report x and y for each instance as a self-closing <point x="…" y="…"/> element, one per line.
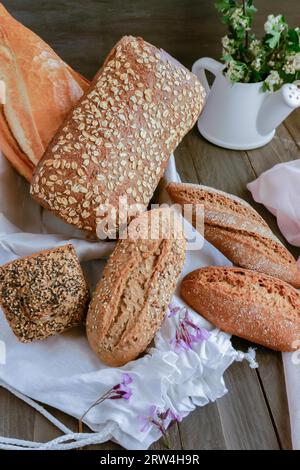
<point x="248" y="304"/>
<point x="43" y="294"/>
<point x="138" y="281"/>
<point x="120" y="135"/>
<point x="239" y="232"/>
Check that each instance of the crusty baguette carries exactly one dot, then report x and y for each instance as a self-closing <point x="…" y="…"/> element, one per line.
<point x="130" y="300"/>
<point x="118" y="139"/>
<point x="248" y="304"/>
<point x="43" y="294"/>
<point x="238" y="231"/>
<point x="40" y="91"/>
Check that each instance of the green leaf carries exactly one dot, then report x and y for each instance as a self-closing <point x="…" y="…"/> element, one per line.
<point x="227" y="58"/>
<point x="265" y="87"/>
<point x="250" y="10"/>
<point x="273" y="40"/>
<point x="293" y="36"/>
<point x="223" y="5"/>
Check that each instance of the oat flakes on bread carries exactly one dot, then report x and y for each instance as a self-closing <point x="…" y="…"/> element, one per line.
<point x="119" y="137"/>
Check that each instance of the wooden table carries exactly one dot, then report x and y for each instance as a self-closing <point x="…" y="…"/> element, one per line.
<point x="254" y="414"/>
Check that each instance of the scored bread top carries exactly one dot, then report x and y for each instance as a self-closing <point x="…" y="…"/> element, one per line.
<point x="246" y="303"/>
<point x="237" y="230"/>
<point x="119" y="137"/>
<point x="221" y="208"/>
<point x="130" y="300"/>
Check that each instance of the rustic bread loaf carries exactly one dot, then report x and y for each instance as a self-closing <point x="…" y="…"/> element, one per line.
<point x="138" y="281"/>
<point x="239" y="232"/>
<point x="248" y="304"/>
<point x="43" y="294"/>
<point x="119" y="137"/>
<point x="40" y="91"/>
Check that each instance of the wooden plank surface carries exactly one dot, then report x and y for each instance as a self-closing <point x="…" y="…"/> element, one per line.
<point x="254" y="414"/>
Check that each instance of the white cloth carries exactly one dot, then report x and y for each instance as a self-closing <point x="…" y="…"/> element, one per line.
<point x="279" y="190"/>
<point x="63" y="372"/>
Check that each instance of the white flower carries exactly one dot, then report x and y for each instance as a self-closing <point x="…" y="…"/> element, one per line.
<point x="256" y="63"/>
<point x="228" y="45"/>
<point x="275" y="24"/>
<point x="292" y="64"/>
<point x="238" y="19"/>
<point x="272" y="80"/>
<point x="235" y="71"/>
<point x="255" y="47"/>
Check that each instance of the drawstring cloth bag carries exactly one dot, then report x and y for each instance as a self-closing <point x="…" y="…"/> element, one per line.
<point x="163" y="385"/>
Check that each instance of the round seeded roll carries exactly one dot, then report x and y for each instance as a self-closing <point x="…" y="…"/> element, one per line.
<point x="44" y="294"/>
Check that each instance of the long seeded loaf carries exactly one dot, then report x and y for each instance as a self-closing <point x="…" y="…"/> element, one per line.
<point x="248" y="304"/>
<point x="119" y="137"/>
<point x="131" y="299"/>
<point x="238" y="231"/>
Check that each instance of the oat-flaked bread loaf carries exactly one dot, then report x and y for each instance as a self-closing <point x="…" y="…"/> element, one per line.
<point x="238" y="231"/>
<point x="248" y="304"/>
<point x="119" y="137"/>
<point x="130" y="300"/>
<point x="43" y="294"/>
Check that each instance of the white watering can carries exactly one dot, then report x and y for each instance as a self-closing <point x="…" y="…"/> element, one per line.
<point x="240" y="115"/>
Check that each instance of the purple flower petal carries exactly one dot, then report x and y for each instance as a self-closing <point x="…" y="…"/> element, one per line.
<point x="174" y="416"/>
<point x="173" y="310"/>
<point x="188" y="333"/>
<point x="153" y="411"/>
<point x="124" y="391"/>
<point x="127" y="379"/>
<point x="144" y="422"/>
<point x="164" y="414"/>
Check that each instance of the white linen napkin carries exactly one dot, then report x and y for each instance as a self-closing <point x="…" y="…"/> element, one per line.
<point x="63" y="371"/>
<point x="279" y="190"/>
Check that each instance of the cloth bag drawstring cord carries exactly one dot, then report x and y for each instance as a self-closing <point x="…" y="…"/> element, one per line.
<point x="71" y="440"/>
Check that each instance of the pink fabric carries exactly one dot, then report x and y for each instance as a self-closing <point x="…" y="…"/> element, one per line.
<point x="279" y="190"/>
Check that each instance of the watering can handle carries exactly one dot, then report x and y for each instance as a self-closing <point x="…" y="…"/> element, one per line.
<point x="206" y="63"/>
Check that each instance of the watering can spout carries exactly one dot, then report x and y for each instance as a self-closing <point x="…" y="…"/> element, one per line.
<point x="277" y="106"/>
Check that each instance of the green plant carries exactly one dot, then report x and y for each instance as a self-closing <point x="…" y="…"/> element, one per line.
<point x="274" y="59"/>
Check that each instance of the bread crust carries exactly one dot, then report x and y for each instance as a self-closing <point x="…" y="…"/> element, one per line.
<point x="118" y="139"/>
<point x="44" y="294"/>
<point x="40" y="91"/>
<point x="248" y="304"/>
<point x="239" y="232"/>
<point x="130" y="301"/>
